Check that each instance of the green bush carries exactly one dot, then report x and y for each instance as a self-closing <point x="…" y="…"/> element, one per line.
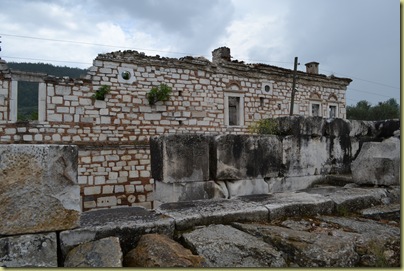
<point x="101" y="92"/>
<point x="160" y="93"/>
<point x="265" y="127"/>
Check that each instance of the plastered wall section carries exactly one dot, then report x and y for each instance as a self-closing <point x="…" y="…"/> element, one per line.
<point x="112" y="135"/>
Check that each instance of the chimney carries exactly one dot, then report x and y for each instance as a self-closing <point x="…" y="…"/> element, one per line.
<point x="312" y="67"/>
<point x="221" y="53"/>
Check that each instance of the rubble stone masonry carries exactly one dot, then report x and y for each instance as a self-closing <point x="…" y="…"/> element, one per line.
<point x="208" y="97"/>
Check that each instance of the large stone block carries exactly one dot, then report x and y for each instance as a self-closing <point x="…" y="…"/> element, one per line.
<point x="304" y="155"/>
<point x="246" y="157"/>
<point x="299" y="125"/>
<point x="180" y="158"/>
<point x="174" y="192"/>
<point x="38" y="188"/>
<point x="30" y="250"/>
<point x="378" y="163"/>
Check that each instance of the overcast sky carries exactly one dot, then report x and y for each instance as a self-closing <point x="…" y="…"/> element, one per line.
<point x="359" y="39"/>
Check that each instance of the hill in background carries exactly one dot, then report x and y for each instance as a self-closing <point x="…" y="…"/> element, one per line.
<point x="49" y="69"/>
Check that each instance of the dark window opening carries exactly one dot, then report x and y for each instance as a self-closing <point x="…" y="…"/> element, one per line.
<point x="333" y="111"/>
<point x="234" y="113"/>
<point x="315" y="110"/>
<point x="27" y="101"/>
<point x="262" y="102"/>
<point x="179" y="93"/>
<point x="267" y="88"/>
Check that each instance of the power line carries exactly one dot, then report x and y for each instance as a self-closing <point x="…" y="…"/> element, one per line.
<point x="51" y="60"/>
<point x="365" y="80"/>
<point x="163" y="51"/>
<point x="369" y="92"/>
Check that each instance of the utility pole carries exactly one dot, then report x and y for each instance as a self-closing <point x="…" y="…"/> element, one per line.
<point x="293" y="87"/>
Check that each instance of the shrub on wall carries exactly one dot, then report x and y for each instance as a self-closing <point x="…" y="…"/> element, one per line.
<point x="101" y="92"/>
<point x="265" y="127"/>
<point x="160" y="93"/>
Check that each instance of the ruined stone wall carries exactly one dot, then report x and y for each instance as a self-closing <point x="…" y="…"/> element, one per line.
<point x="304" y="152"/>
<point x="113" y="134"/>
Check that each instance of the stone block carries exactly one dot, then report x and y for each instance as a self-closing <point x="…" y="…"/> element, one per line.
<point x="237" y="157"/>
<point x="188" y="214"/>
<point x="378" y="163"/>
<point x="246" y="187"/>
<point x="38" y="188"/>
<point x="299" y="125"/>
<point x="126" y="223"/>
<point x="304" y="155"/>
<point x="30" y="250"/>
<point x="180" y="158"/>
<point x="105" y="252"/>
<point x="174" y="192"/>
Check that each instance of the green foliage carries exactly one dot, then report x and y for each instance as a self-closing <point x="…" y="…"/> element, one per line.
<point x="389" y="109"/>
<point x="160" y="93"/>
<point x="264" y="127"/>
<point x="101" y="92"/>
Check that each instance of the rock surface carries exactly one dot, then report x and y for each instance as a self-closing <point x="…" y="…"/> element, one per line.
<point x="101" y="253"/>
<point x="378" y="163"/>
<point x="38" y="177"/>
<point x="30" y="250"/>
<point x="156" y="250"/>
<point x="127" y="223"/>
<point x="225" y="246"/>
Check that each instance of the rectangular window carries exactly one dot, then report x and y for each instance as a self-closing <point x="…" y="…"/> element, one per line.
<point x="315" y="109"/>
<point x="332" y="111"/>
<point x="27" y="100"/>
<point x="234" y="109"/>
<point x="234" y="114"/>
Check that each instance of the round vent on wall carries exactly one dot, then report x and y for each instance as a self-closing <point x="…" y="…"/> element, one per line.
<point x="266" y="87"/>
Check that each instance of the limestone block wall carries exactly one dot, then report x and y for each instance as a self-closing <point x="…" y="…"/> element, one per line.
<point x="304" y="152"/>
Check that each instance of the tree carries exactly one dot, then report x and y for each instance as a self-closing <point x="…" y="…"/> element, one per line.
<point x="389" y="109"/>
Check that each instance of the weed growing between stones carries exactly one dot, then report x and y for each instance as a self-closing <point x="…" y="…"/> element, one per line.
<point x="160" y="93"/>
<point x="101" y="92"/>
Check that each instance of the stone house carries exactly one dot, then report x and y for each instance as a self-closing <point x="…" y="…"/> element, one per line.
<point x="208" y="97"/>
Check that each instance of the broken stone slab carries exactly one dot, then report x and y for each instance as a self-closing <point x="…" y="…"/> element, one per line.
<point x="386" y="128"/>
<point x="30" y="250"/>
<point x="225" y="246"/>
<point x="350" y="199"/>
<point x="38" y="188"/>
<point x="378" y="244"/>
<point x="292" y="204"/>
<point x="105" y="252"/>
<point x="218" y="211"/>
<point x="157" y="250"/>
<point x="180" y="158"/>
<point x="238" y="157"/>
<point x="306" y="249"/>
<point x="378" y="163"/>
<point x="361" y="128"/>
<point x="127" y="223"/>
<point x="383" y="212"/>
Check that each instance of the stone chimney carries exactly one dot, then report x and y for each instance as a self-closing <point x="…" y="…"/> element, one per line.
<point x="221" y="53"/>
<point x="312" y="67"/>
